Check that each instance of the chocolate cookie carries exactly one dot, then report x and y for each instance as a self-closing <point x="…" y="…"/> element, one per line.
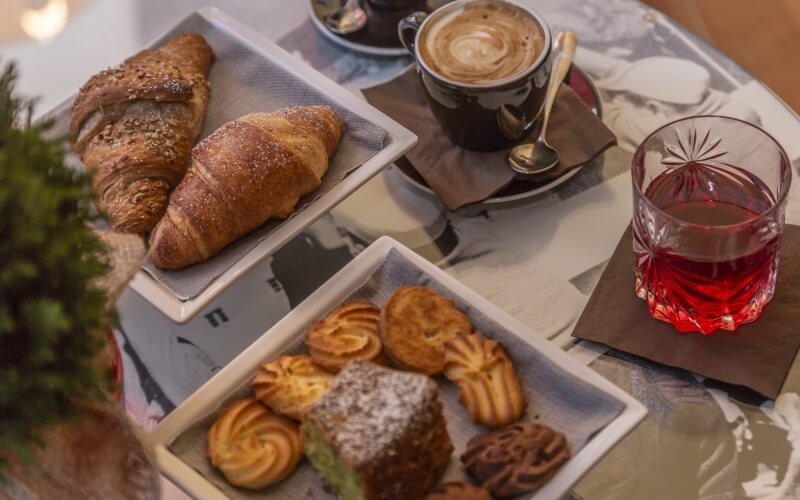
<point x="459" y="491"/>
<point x="516" y="459"/>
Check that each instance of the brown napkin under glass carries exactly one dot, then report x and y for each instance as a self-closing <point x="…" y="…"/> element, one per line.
<point x="757" y="355"/>
<point x="459" y="176"/>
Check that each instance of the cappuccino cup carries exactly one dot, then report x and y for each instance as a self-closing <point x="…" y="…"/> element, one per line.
<point x="484" y="66"/>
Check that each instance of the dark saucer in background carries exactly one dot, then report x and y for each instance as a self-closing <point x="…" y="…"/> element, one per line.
<point x="520" y="189"/>
<point x="379" y="35"/>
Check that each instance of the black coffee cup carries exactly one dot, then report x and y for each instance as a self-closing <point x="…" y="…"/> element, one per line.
<point x="481" y="117"/>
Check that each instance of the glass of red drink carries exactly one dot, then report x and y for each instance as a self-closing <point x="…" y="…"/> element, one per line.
<point x="709" y="198"/>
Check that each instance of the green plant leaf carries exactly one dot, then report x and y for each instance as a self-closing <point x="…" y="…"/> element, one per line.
<point x="49" y="306"/>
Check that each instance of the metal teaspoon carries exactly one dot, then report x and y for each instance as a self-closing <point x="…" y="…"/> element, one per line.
<point x="539" y="156"/>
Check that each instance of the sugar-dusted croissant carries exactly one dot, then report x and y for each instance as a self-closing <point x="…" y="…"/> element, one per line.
<point x="246" y="172"/>
<point x="134" y="126"/>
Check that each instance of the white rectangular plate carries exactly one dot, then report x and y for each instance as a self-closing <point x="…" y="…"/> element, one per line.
<point x="398" y="141"/>
<point x="294" y="324"/>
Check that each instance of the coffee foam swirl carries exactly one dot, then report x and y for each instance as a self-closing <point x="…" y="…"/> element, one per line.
<point x="482" y="43"/>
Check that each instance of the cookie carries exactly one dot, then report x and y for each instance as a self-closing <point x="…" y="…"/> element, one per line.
<point x="489" y="389"/>
<point x="516" y="459"/>
<point x="350" y="332"/>
<point x="415" y="324"/>
<point x="459" y="491"/>
<point x="252" y="446"/>
<point x="290" y="385"/>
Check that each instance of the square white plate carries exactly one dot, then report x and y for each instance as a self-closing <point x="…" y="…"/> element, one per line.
<point x="295" y="324"/>
<point x="398" y="140"/>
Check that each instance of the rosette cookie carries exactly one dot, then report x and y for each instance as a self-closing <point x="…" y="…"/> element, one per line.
<point x="488" y="386"/>
<point x="290" y="385"/>
<point x="517" y="459"/>
<point x="252" y="446"/>
<point x="350" y="332"/>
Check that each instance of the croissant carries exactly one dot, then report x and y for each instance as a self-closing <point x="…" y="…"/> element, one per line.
<point x="134" y="126"/>
<point x="246" y="172"/>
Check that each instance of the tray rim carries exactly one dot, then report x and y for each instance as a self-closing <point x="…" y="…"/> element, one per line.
<point x="398" y="141"/>
<point x="242" y="367"/>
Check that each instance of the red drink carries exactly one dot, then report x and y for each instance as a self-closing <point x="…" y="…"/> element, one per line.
<point x="706" y="232"/>
<point x="710" y="288"/>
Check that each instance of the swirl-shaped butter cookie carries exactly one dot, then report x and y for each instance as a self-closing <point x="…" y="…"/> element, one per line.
<point x="290" y="385"/>
<point x="349" y="332"/>
<point x="252" y="446"/>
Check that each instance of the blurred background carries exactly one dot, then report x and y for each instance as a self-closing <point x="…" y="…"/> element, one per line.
<point x="763" y="37"/>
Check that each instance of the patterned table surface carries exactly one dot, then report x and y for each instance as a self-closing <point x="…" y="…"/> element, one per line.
<point x="538" y="260"/>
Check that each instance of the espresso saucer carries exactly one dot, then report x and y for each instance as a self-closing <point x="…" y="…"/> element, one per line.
<point x="520" y="189"/>
<point x="378" y="36"/>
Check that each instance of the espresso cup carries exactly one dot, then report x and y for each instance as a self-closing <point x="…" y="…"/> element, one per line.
<point x="485" y="114"/>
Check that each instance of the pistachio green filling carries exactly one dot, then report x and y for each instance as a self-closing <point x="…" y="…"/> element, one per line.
<point x="341" y="478"/>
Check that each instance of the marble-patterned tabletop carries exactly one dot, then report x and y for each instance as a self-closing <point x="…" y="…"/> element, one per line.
<point x="539" y="260"/>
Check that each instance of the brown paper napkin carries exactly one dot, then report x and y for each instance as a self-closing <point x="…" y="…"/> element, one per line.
<point x="757" y="355"/>
<point x="459" y="176"/>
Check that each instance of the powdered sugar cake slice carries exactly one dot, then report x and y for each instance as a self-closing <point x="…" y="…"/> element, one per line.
<point x="367" y="409"/>
<point x="379" y="433"/>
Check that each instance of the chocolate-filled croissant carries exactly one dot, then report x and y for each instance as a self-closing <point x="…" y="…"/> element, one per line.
<point x="134" y="127"/>
<point x="248" y="171"/>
